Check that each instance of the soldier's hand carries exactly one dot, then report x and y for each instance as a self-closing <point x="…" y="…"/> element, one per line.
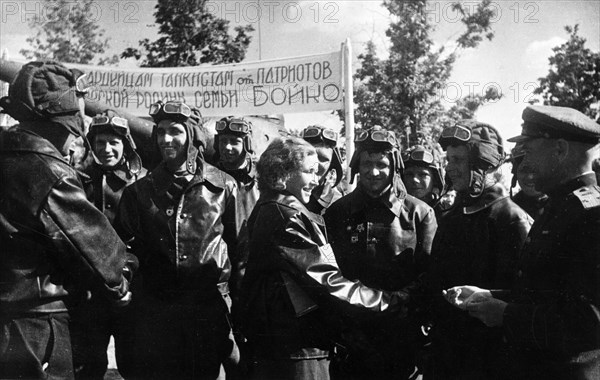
<point x="488" y="310"/>
<point x="461" y="296"/>
<point x="123" y="301"/>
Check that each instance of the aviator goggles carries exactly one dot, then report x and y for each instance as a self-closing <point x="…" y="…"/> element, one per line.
<point x="457" y="132"/>
<point x="234" y="125"/>
<point x="376" y="136"/>
<point x="325" y="134"/>
<point x="418" y="156"/>
<point x="82" y="85"/>
<point x="170" y="108"/>
<point x="118" y="123"/>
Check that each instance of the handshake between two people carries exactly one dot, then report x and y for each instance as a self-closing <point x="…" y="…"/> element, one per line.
<point x="479" y="303"/>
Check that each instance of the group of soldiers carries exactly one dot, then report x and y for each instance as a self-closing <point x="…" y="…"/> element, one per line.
<point x="268" y="268"/>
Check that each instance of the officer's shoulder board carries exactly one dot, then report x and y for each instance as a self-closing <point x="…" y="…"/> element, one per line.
<point x="589" y="196"/>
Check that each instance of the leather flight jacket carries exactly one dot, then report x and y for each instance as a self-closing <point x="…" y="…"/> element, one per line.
<point x="294" y="291"/>
<point x="385" y="242"/>
<point x="104" y="187"/>
<point x="55" y="243"/>
<point x="477" y="243"/>
<point x="181" y="231"/>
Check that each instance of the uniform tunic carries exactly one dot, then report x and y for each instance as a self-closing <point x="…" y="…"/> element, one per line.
<point x="552" y="322"/>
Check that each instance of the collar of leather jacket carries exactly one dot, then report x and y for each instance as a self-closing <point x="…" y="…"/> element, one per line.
<point x="120" y="172"/>
<point x="287" y="200"/>
<point x="490" y="195"/>
<point x="245" y="176"/>
<point x="359" y="200"/>
<point x="17" y="139"/>
<point x="162" y="177"/>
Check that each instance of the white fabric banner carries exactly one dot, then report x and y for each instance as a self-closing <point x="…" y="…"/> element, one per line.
<point x="299" y="84"/>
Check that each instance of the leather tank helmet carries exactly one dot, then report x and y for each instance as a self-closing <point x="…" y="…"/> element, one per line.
<point x="109" y="121"/>
<point x="484" y="144"/>
<point x="191" y="119"/>
<point x="420" y="156"/>
<point x="237" y="126"/>
<point x="317" y="135"/>
<point x="379" y="140"/>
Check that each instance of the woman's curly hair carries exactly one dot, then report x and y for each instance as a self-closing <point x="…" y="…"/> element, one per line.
<point x="282" y="158"/>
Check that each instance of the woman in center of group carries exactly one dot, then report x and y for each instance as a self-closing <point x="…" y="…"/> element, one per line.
<point x="296" y="300"/>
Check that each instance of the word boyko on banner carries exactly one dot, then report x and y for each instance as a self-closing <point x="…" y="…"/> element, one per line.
<point x="299" y="84"/>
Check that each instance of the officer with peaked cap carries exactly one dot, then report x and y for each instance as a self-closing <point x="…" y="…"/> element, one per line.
<point x="528" y="198"/>
<point x="55" y="243"/>
<point x="477" y="242"/>
<point x="382" y="237"/>
<point x="551" y="318"/>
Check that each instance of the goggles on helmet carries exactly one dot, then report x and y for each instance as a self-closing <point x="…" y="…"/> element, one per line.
<point x="234" y="125"/>
<point x="457" y="132"/>
<point x="376" y="136"/>
<point x="325" y="134"/>
<point x="82" y="85"/>
<point x="170" y="108"/>
<point x="418" y="155"/>
<point x="118" y="123"/>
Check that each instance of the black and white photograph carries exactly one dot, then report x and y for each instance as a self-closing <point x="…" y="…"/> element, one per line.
<point x="301" y="190"/>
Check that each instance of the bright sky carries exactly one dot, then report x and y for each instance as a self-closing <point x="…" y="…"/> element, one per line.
<point x="526" y="31"/>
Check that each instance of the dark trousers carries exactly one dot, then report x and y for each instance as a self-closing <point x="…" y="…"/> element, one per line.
<point x="181" y="341"/>
<point x="92" y="325"/>
<point x="35" y="347"/>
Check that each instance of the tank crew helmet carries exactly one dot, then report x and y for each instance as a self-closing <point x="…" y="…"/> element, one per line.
<point x="484" y="144"/>
<point x="237" y="126"/>
<point x="319" y="135"/>
<point x="418" y="155"/>
<point x="379" y="140"/>
<point x="47" y="91"/>
<point x="191" y="118"/>
<point x="109" y="121"/>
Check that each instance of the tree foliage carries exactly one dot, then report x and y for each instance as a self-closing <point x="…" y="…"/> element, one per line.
<point x="189" y="36"/>
<point x="402" y="92"/>
<point x="67" y="32"/>
<point x="574" y="76"/>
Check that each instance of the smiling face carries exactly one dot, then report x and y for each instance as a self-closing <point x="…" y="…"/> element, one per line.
<point x="231" y="151"/>
<point x="303" y="181"/>
<point x="375" y="173"/>
<point x="109" y="149"/>
<point x="172" y="138"/>
<point x="324" y="154"/>
<point x="541" y="163"/>
<point x="458" y="168"/>
<point x="418" y="181"/>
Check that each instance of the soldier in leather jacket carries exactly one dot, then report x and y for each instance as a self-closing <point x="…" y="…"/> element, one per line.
<point x="234" y="154"/>
<point x="551" y="318"/>
<point x="55" y="244"/>
<point x="382" y="237"/>
<point x="115" y="165"/>
<point x="477" y="242"/>
<point x="330" y="165"/>
<point x="181" y="221"/>
<point x="297" y="303"/>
